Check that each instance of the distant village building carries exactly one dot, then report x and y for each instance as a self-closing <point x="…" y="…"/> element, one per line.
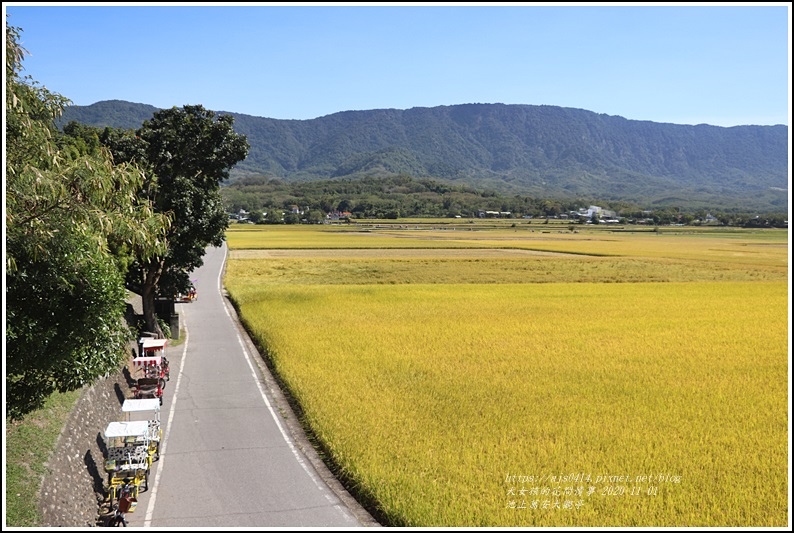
<point x="482" y="213"/>
<point x="338" y="215"/>
<point x="241" y="215"/>
<point x="594" y="210"/>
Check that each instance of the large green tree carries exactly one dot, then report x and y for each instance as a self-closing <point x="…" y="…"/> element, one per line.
<point x="71" y="218"/>
<point x="187" y="153"/>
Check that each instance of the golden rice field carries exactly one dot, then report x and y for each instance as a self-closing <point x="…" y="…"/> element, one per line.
<point x="632" y="384"/>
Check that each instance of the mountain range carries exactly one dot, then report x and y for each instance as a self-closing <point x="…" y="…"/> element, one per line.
<point x="537" y="150"/>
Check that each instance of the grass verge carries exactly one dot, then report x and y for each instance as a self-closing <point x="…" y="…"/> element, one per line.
<point x="29" y="443"/>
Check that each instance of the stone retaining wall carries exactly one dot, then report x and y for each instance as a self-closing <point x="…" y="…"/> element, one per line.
<point x="72" y="493"/>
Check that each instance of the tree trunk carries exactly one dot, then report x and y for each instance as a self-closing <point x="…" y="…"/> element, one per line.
<point x="147" y="296"/>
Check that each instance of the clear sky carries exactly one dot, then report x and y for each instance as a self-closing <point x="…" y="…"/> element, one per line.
<point x="723" y="65"/>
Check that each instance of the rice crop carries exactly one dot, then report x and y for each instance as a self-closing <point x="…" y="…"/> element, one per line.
<point x="539" y="390"/>
<point x="314" y="268"/>
<point x="756" y="249"/>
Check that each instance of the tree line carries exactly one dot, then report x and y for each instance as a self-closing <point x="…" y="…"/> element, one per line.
<point x="91" y="214"/>
<point x="401" y="195"/>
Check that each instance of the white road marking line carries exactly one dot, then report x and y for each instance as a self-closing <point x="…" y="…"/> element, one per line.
<point x="287" y="439"/>
<point x="150" y="509"/>
<point x="284" y="434"/>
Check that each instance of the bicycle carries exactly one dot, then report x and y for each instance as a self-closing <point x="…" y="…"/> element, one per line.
<point x="126" y="504"/>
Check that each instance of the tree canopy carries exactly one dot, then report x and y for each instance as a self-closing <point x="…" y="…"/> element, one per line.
<point x="187" y="153"/>
<point x="73" y="220"/>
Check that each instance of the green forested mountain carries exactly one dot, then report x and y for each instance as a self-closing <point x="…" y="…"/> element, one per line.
<point x="113" y="113"/>
<point x="544" y="151"/>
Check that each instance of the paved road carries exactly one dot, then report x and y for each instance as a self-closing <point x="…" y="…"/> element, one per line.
<point x="229" y="459"/>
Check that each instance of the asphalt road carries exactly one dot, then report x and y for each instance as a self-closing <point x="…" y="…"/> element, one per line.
<point x="228" y="456"/>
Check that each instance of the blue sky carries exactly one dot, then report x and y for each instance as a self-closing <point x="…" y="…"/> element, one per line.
<point x="724" y="65"/>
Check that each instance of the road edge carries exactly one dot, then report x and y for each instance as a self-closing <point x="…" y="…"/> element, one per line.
<point x="294" y="427"/>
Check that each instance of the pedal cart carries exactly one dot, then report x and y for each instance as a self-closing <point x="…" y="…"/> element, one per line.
<point x="128" y="459"/>
<point x="190" y="296"/>
<point x="151" y="348"/>
<point x="149" y="388"/>
<point x="149" y="405"/>
<point x="153" y="367"/>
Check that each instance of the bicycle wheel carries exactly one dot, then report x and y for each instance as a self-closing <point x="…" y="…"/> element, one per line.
<point x="119" y="520"/>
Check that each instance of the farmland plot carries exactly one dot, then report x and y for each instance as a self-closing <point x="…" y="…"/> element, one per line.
<point x="490" y="391"/>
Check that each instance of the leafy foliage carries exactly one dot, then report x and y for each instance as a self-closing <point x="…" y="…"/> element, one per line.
<point x="73" y="219"/>
<point x="187" y="152"/>
<point x="64" y="321"/>
<point x="190" y="150"/>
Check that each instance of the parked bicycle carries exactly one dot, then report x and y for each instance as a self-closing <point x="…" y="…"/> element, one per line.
<point x="126" y="503"/>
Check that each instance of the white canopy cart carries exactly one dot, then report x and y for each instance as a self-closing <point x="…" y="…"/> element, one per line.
<point x="152" y="361"/>
<point x="155" y="430"/>
<point x="151" y="346"/>
<point x="128" y="452"/>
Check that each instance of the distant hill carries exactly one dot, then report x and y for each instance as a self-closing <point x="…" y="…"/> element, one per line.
<point x="113" y="113"/>
<point x="543" y="151"/>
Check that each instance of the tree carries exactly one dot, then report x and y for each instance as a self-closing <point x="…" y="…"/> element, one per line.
<point x="345" y="205"/>
<point x="274" y="216"/>
<point x="292" y="218"/>
<point x="189" y="152"/>
<point x="71" y="218"/>
<point x="315" y="216"/>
